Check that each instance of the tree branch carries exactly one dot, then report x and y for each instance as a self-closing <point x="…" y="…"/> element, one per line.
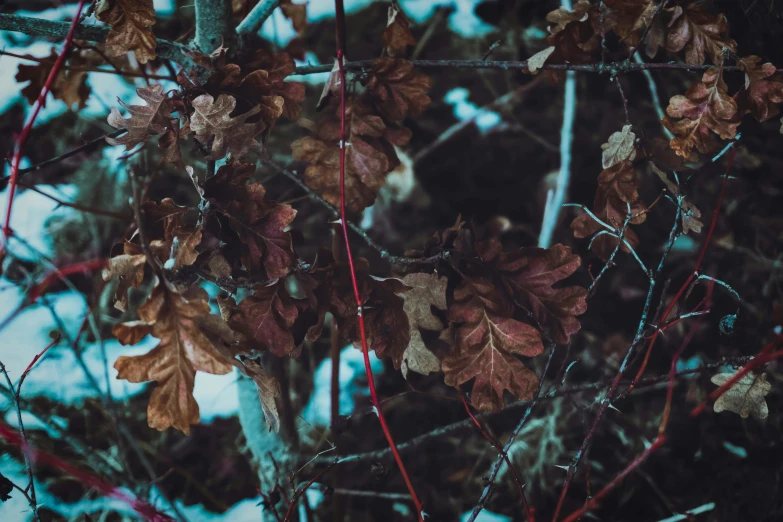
<point x="38" y="27"/>
<point x="213" y="27"/>
<point x="256" y="18"/>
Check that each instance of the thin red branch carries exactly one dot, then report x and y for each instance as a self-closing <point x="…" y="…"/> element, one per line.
<point x="694" y="272"/>
<point x="340" y="17"/>
<point x="25" y="135"/>
<point x="35" y="360"/>
<point x="497" y="446"/>
<point x="144" y="509"/>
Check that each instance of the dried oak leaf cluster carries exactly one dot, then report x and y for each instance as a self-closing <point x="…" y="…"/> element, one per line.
<point x="392" y="91"/>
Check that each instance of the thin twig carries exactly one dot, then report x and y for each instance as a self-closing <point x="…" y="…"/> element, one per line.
<point x="257" y="16"/>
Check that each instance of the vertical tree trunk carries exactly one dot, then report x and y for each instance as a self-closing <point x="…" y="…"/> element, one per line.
<point x="213" y="24"/>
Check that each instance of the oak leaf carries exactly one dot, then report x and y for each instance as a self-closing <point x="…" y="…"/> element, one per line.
<point x="265" y="317"/>
<point x="151" y="119"/>
<point x="621" y="146"/>
<point x="763" y="89"/>
<point x="535" y="62"/>
<point x="184" y="349"/>
<point x="130" y="22"/>
<point x="426" y="291"/>
<point x="397" y="89"/>
<point x="397" y="36"/>
<point x="487" y="342"/>
<point x="575" y="34"/>
<point x="617" y="191"/>
<point x="745" y="397"/>
<point x="211" y="121"/>
<point x="690" y="214"/>
<point x="629" y="19"/>
<point x="529" y="274"/>
<point x="261" y="225"/>
<point x="700" y="33"/>
<point x="369" y="158"/>
<point x="706" y="110"/>
<point x="69" y="86"/>
<point x="297" y="13"/>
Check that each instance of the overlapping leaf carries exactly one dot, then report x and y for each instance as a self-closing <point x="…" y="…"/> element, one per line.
<point x="487" y="341"/>
<point x="762" y="92"/>
<point x="397" y="36"/>
<point x="426" y="291"/>
<point x="213" y="125"/>
<point x="617" y="190"/>
<point x="706" y="112"/>
<point x="177" y="319"/>
<point x="69" y="86"/>
<point x="130" y="22"/>
<point x="260" y="225"/>
<point x="369" y="158"/>
<point x="152" y="119"/>
<point x="575" y="34"/>
<point x="700" y="33"/>
<point x="397" y="89"/>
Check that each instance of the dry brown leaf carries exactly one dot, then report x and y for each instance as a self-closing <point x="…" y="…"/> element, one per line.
<point x="426" y="291"/>
<point x="535" y="62"/>
<point x="397" y="36"/>
<point x="184" y="349"/>
<point x="69" y="86"/>
<point x="130" y="22"/>
<point x="745" y="397"/>
<point x="620" y="147"/>
<point x="211" y="121"/>
<point x="129" y="269"/>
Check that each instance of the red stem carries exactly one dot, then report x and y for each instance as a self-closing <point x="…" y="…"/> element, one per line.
<point x="693" y="274"/>
<point x="340" y="18"/>
<point x="144" y="509"/>
<point x="496" y="444"/>
<point x="25" y="135"/>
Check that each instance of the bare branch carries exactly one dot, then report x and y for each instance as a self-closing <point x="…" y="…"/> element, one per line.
<point x="256" y="18"/>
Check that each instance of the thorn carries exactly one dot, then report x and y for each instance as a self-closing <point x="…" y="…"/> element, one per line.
<point x="613" y="407"/>
<point x="561" y="467"/>
<point x="375" y="410"/>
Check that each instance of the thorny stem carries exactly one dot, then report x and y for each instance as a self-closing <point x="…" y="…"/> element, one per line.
<point x="696" y="268"/>
<point x="609" y="394"/>
<point x="28" y="127"/>
<point x="498" y="447"/>
<point x="340" y="17"/>
<point x="504" y="453"/>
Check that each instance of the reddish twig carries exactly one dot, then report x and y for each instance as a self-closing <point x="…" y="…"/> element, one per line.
<point x="28" y="127"/>
<point x="497" y="446"/>
<point x="144" y="509"/>
<point x="694" y="272"/>
<point x="340" y="17"/>
<point x="35" y="360"/>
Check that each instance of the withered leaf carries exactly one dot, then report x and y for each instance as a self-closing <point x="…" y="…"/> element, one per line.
<point x="211" y="121"/>
<point x="184" y="349"/>
<point x="369" y="158"/>
<point x="700" y="33"/>
<point x="265" y="317"/>
<point x="487" y="341"/>
<point x="151" y="119"/>
<point x="397" y="36"/>
<point x="575" y="34"/>
<point x="130" y="22"/>
<point x="261" y="225"/>
<point x="268" y="391"/>
<point x="745" y="397"/>
<point x="397" y="89"/>
<point x="763" y="89"/>
<point x="620" y="147"/>
<point x="617" y="190"/>
<point x="631" y="18"/>
<point x="69" y="86"/>
<point x="297" y="13"/>
<point x="535" y="62"/>
<point x="426" y="291"/>
<point x="530" y="275"/>
<point x="704" y="111"/>
<point x="129" y="269"/>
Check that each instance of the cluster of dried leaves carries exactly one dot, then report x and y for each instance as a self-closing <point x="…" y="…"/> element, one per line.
<point x="483" y="307"/>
